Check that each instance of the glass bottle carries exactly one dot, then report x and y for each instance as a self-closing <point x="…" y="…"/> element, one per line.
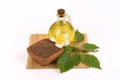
<point x="62" y="26"/>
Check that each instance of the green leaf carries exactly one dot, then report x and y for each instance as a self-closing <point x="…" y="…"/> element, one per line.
<point x="67" y="61"/>
<point x="75" y="58"/>
<point x="90" y="47"/>
<point x="78" y="36"/>
<point x="90" y="60"/>
<point x="65" y="55"/>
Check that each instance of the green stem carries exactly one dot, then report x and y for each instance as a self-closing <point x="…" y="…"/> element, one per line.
<point x="79" y="50"/>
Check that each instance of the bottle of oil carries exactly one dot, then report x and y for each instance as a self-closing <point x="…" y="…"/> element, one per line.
<point x="62" y="26"/>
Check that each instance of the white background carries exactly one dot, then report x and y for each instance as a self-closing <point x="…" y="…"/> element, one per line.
<point x="100" y="19"/>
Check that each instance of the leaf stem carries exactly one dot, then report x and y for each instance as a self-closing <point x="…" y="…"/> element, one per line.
<point x="80" y="50"/>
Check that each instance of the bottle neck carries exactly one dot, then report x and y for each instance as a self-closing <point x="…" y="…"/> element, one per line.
<point x="65" y="18"/>
<point x="60" y="18"/>
<point x="61" y="21"/>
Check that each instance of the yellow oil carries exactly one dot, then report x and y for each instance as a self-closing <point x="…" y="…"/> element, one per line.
<point x="63" y="27"/>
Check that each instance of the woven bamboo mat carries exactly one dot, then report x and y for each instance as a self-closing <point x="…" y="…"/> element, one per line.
<point x="31" y="64"/>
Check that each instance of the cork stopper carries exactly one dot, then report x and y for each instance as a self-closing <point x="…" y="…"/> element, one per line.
<point x="61" y="12"/>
